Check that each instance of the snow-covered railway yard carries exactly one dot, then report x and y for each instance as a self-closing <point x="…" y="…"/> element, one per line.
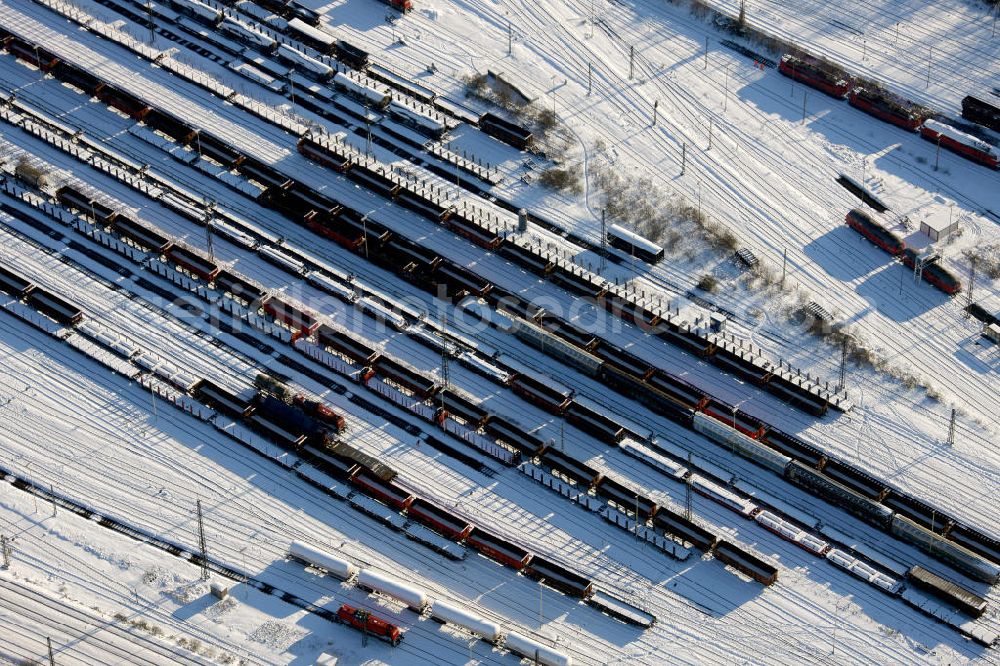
<point x="115" y="406"/>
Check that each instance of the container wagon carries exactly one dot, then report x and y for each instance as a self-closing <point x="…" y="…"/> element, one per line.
<point x="458" y="405"/>
<point x="373" y="465"/>
<point x="311" y="36"/>
<point x="677" y="525"/>
<point x="88" y="206"/>
<point x="626" y="499"/>
<point x="276" y="432"/>
<point x="559" y="578"/>
<point x="350" y="55"/>
<point x="239" y="287"/>
<point x="295" y="318"/>
<point x="954" y="594"/>
<point x="513" y="435"/>
<point x="192" y="262"/>
<point x="750" y="564"/>
<point x="439" y="520"/>
<point x="383" y="491"/>
<point x="457" y="282"/>
<point x="403" y="376"/>
<point x="14" y="284"/>
<point x="594" y="422"/>
<point x="222" y="400"/>
<point x="31" y="54"/>
<point x="506" y="131"/>
<point x="469" y="230"/>
<point x="342" y="343"/>
<point x="570" y="469"/>
<point x="126" y="103"/>
<point x="55" y="307"/>
<point x="498" y="549"/>
<point x="142" y="235"/>
<point x="542" y="392"/>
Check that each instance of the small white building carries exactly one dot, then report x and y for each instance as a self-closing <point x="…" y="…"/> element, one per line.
<point x="939" y="227"/>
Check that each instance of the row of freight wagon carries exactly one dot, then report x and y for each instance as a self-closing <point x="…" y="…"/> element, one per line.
<point x="685" y="404"/>
<point x="274" y="418"/>
<point x="891" y="108"/>
<point x="42" y="300"/>
<point x="617" y="368"/>
<point x="421" y="603"/>
<point x="302" y="26"/>
<point x="333" y="220"/>
<point x="375" y="480"/>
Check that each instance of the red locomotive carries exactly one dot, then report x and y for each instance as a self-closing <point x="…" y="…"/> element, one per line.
<point x="862" y="222"/>
<point x="362" y="620"/>
<point x="401" y="5"/>
<point x="886" y="106"/>
<point x="816" y="74"/>
<point x="965" y="145"/>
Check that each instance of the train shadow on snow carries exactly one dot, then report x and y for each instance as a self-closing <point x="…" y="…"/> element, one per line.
<point x="827" y="252"/>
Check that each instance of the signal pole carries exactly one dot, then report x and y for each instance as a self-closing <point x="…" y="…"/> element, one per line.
<point x="688" y="500"/>
<point x="604" y="241"/>
<point x="202" y="545"/>
<point x="843" y="364"/>
<point x="972" y="282"/>
<point x="930" y="56"/>
<point x="951" y="428"/>
<point x="631" y="62"/>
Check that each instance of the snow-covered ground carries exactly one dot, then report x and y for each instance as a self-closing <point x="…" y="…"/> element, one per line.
<point x="69" y="423"/>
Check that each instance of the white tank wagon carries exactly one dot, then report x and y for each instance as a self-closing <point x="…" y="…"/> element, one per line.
<point x="446" y="613"/>
<point x="335" y="566"/>
<point x="413" y="597"/>
<point x="534" y="650"/>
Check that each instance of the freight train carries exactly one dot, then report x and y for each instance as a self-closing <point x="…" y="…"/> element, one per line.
<point x="868" y="226"/>
<point x="417" y="600"/>
<point x="617" y="368"/>
<point x="891" y="108"/>
<point x="274" y="416"/>
<point x="683" y="403"/>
